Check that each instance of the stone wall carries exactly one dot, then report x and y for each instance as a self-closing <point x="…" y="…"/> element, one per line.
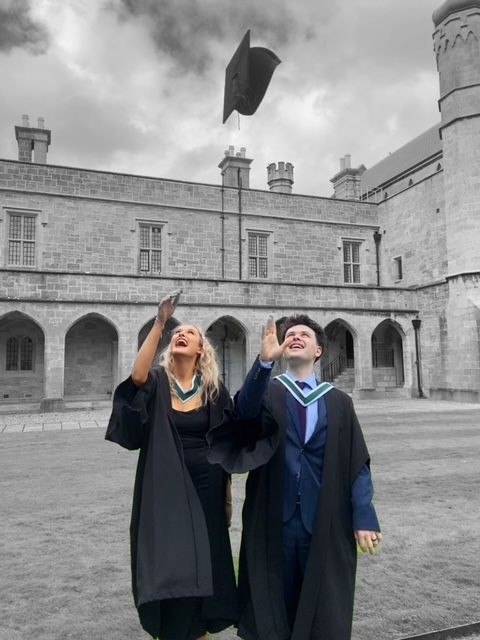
<point x="412" y="224"/>
<point x="89" y="221"/>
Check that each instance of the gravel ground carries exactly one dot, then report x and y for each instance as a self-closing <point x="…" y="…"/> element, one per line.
<point x="65" y="507"/>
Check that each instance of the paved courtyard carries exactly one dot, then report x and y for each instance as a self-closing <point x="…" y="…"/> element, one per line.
<point x="98" y="418"/>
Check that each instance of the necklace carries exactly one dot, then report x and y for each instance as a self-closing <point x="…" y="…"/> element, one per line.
<point x="185" y="396"/>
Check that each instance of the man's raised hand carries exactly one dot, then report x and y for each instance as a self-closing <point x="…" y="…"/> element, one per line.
<point x="271" y="349"/>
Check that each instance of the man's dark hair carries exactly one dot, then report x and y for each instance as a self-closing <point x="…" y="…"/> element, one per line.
<point x="292" y="321"/>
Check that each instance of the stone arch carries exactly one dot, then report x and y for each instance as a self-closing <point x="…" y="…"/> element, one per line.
<point x="22" y="377"/>
<point x="165" y="339"/>
<point x="228" y="336"/>
<point x="387" y="354"/>
<point x="22" y="315"/>
<point x="338" y="364"/>
<point x="92" y="314"/>
<point x="91" y="357"/>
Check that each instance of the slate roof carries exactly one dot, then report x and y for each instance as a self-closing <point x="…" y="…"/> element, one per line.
<point x="424" y="146"/>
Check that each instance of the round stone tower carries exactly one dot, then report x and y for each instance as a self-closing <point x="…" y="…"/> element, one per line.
<point x="457" y="48"/>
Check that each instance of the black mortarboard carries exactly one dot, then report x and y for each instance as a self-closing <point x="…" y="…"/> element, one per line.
<point x="247" y="77"/>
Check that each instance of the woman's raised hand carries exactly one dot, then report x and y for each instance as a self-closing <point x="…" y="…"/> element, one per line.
<point x="166" y="307"/>
<point x="271" y="349"/>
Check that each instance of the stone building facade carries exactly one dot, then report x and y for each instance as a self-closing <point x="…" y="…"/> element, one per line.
<point x="393" y="259"/>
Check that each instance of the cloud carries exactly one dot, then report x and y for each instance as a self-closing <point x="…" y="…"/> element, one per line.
<point x="186" y="31"/>
<point x="18" y="29"/>
<point x="136" y="86"/>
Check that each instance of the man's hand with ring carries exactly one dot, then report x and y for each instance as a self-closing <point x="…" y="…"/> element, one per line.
<point x="368" y="541"/>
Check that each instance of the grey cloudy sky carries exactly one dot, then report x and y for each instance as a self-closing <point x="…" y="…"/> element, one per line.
<point x="136" y="86"/>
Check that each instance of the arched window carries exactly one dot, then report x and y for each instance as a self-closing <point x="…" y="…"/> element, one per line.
<point x="26" y="354"/>
<point x="12" y="354"/>
<point x="19" y="354"/>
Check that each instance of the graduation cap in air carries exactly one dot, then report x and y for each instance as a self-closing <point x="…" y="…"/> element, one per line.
<point x="247" y="77"/>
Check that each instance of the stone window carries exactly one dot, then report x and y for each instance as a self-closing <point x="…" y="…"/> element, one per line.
<point x="19" y="354"/>
<point x="257" y="255"/>
<point x="150" y="251"/>
<point x="21" y="240"/>
<point x="351" y="261"/>
<point x="398" y="268"/>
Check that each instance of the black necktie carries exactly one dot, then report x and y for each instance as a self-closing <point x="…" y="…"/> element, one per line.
<point x="302" y="413"/>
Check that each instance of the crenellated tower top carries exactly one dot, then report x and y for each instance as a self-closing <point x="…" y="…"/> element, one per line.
<point x="456" y="42"/>
<point x="280" y="180"/>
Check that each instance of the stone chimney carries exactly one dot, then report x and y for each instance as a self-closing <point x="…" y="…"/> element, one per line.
<point x="280" y="180"/>
<point x="346" y="182"/>
<point x="36" y="139"/>
<point x="235" y="168"/>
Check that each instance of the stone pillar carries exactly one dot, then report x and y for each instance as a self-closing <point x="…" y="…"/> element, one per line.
<point x="36" y="139"/>
<point x="364" y="385"/>
<point x="127" y="351"/>
<point x="54" y="370"/>
<point x="280" y="180"/>
<point x="457" y="49"/>
<point x="346" y="183"/>
<point x="235" y="168"/>
<point x="409" y="361"/>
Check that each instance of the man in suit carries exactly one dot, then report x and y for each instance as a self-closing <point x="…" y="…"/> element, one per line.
<point x="310" y="500"/>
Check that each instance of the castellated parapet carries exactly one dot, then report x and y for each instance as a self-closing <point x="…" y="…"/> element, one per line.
<point x="280" y="180"/>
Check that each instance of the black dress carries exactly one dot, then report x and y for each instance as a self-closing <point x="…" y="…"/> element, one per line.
<point x="183" y="579"/>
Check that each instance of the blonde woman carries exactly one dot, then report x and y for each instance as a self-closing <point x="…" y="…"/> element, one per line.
<point x="182" y="571"/>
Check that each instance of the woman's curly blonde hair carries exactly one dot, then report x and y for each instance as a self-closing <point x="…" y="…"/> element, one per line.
<point x="206" y="366"/>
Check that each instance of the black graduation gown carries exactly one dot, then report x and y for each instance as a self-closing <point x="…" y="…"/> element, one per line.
<point x="326" y="603"/>
<point x="170" y="549"/>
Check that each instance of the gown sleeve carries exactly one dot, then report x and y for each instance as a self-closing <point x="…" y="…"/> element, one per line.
<point x="364" y="514"/>
<point x="128" y="421"/>
<point x="241" y="445"/>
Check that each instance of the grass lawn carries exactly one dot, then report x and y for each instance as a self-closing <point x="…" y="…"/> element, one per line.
<point x="65" y="508"/>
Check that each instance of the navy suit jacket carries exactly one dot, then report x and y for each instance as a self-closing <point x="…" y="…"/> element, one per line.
<point x="304" y="461"/>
